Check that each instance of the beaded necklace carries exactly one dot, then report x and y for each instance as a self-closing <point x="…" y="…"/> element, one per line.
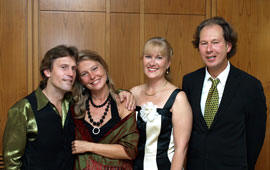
<point x="96" y="130"/>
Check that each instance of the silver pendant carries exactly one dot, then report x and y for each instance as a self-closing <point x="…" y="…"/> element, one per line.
<point x="96" y="130"/>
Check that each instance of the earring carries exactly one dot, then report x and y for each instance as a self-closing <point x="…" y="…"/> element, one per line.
<point x="84" y="91"/>
<point x="168" y="70"/>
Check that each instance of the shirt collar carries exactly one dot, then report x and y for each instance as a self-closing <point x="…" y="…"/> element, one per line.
<point x="42" y="100"/>
<point x="222" y="76"/>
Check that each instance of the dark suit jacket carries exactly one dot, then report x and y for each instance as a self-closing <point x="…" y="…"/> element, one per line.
<point x="235" y="138"/>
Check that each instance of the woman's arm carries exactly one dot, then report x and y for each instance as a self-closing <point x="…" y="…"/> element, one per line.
<point x="114" y="151"/>
<point x="124" y="148"/>
<point x="182" y="126"/>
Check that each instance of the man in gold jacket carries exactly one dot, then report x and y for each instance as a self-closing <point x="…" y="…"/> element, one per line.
<point x="39" y="129"/>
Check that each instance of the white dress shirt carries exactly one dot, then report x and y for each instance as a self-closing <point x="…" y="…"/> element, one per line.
<point x="220" y="87"/>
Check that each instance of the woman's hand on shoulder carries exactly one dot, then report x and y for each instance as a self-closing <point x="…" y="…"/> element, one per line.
<point x="128" y="98"/>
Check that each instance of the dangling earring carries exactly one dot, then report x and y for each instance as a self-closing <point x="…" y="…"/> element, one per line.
<point x="168" y="70"/>
<point x="84" y="91"/>
<point x="107" y="81"/>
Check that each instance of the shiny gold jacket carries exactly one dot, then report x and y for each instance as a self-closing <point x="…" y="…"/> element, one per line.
<point x="21" y="127"/>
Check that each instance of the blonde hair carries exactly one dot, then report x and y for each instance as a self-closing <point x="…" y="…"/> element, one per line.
<point x="81" y="93"/>
<point x="165" y="46"/>
<point x="166" y="49"/>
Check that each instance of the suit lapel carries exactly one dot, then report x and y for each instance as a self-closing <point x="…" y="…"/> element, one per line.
<point x="229" y="91"/>
<point x="197" y="98"/>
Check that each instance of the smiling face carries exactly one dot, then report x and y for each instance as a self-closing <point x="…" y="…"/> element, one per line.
<point x="213" y="49"/>
<point x="92" y="74"/>
<point x="155" y="62"/>
<point x="62" y="74"/>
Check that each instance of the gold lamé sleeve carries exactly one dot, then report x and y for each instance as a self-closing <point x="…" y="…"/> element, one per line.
<point x="20" y="127"/>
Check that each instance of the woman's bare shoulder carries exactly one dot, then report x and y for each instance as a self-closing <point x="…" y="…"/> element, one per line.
<point x="137" y="89"/>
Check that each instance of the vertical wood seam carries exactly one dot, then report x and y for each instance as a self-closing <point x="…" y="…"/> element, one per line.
<point x="35" y="44"/>
<point x="214" y="8"/>
<point x="208" y="8"/>
<point x="142" y="16"/>
<point x="108" y="32"/>
<point x="29" y="45"/>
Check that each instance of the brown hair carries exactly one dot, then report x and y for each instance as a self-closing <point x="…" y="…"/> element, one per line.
<point x="228" y="33"/>
<point x="54" y="53"/>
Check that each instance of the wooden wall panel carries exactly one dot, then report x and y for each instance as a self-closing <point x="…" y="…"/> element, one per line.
<point x="178" y="30"/>
<point x="73" y="5"/>
<point x="196" y="7"/>
<point x="13" y="56"/>
<point x="125" y="6"/>
<point x="250" y="18"/>
<point x="118" y="29"/>
<point x="82" y="29"/>
<point x="125" y="55"/>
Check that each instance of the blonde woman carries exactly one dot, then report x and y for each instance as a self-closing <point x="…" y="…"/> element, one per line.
<point x="164" y="116"/>
<point x="105" y="131"/>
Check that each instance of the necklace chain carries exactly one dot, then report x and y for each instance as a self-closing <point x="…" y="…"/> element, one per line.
<point x="147" y="94"/>
<point x="96" y="130"/>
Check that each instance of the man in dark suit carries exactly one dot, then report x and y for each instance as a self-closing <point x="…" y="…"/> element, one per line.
<point x="228" y="123"/>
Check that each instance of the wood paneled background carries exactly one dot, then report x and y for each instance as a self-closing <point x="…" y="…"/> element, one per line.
<point x="117" y="29"/>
